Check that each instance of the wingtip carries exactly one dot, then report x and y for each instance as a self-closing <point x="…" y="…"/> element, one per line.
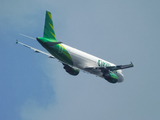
<point x="16" y="41"/>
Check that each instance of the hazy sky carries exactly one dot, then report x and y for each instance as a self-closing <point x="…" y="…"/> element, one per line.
<point x="34" y="87"/>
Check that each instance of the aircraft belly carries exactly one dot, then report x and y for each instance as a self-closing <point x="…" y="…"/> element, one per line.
<point x="82" y="63"/>
<point x="82" y="60"/>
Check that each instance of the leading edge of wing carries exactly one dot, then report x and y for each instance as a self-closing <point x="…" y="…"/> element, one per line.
<point x="111" y="68"/>
<point x="35" y="50"/>
<point x="118" y="67"/>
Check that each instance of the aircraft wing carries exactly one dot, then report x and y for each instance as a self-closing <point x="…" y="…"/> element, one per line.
<point x="111" y="68"/>
<point x="35" y="50"/>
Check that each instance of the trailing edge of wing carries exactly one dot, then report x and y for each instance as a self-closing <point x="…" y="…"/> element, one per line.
<point x="35" y="50"/>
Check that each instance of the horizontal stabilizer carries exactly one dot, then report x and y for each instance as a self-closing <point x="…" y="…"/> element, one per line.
<point x="50" y="42"/>
<point x="27" y="36"/>
<point x="53" y="43"/>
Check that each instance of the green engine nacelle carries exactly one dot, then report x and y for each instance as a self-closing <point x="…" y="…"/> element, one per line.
<point x="70" y="70"/>
<point x="111" y="77"/>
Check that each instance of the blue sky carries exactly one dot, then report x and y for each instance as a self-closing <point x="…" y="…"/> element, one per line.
<point x="33" y="86"/>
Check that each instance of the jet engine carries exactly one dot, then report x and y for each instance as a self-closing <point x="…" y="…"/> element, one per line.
<point x="70" y="70"/>
<point x="111" y="77"/>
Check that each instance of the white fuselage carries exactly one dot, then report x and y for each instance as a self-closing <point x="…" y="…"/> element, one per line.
<point x="84" y="60"/>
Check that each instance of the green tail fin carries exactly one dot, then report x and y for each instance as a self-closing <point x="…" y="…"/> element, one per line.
<point x="49" y="28"/>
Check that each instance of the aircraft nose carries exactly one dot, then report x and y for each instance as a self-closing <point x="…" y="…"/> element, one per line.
<point x="121" y="77"/>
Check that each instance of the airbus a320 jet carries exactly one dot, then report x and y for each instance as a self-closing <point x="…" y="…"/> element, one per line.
<point x="75" y="60"/>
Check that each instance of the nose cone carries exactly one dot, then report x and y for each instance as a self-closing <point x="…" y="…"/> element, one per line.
<point x="120" y="77"/>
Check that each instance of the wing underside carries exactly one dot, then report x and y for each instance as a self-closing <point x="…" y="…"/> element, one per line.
<point x="36" y="50"/>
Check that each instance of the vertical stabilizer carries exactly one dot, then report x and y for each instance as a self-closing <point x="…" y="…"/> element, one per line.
<point x="49" y="28"/>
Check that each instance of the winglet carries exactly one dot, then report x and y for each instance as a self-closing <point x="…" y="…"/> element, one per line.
<point x="16" y="41"/>
<point x="132" y="64"/>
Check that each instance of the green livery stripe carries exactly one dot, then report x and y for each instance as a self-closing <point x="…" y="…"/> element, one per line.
<point x="65" y="52"/>
<point x="53" y="35"/>
<point x="57" y="50"/>
<point x="114" y="76"/>
<point x="43" y="40"/>
<point x="48" y="39"/>
<point x="60" y="52"/>
<point x="48" y="27"/>
<point x="51" y="26"/>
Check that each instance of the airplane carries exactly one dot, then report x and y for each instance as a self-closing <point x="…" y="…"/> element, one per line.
<point x="75" y="60"/>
